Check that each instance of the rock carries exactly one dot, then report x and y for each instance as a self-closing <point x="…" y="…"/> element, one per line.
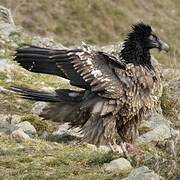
<point x="38" y="107"/>
<point x="64" y="129"/>
<point x="176" y="134"/>
<point x="170" y="73"/>
<point x="152" y="120"/>
<point x="6" y="29"/>
<point x="143" y="173"/>
<point x="20" y="136"/>
<point x="104" y="148"/>
<point x="173" y="88"/>
<point x="6" y="22"/>
<point x="7" y="122"/>
<point x="6" y="16"/>
<point x="120" y="165"/>
<point x="179" y="117"/>
<point x="27" y="127"/>
<point x="44" y="135"/>
<point x="159" y="133"/>
<point x="3" y="90"/>
<point x="16" y="119"/>
<point x="46" y="43"/>
<point x="4" y="65"/>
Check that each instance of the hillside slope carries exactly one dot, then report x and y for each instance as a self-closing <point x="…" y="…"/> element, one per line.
<point x="47" y="156"/>
<point x="100" y="21"/>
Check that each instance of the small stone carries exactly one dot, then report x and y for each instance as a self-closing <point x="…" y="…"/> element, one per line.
<point x="104" y="148"/>
<point x="15" y="119"/>
<point x="5" y="123"/>
<point x="3" y="90"/>
<point x="6" y="16"/>
<point x="6" y="29"/>
<point x="170" y="73"/>
<point x="27" y="127"/>
<point x="46" y="43"/>
<point x="20" y="136"/>
<point x="160" y="133"/>
<point x="65" y="129"/>
<point x="143" y="173"/>
<point x="44" y="135"/>
<point x="153" y="119"/>
<point x="120" y="165"/>
<point x="179" y="116"/>
<point x="38" y="107"/>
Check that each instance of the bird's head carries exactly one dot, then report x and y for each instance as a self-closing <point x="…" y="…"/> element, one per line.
<point x="143" y="34"/>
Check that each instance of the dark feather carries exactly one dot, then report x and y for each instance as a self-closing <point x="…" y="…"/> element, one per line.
<point x="119" y="89"/>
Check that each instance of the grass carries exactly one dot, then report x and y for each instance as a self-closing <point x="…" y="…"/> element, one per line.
<point x="47" y="160"/>
<point x="100" y="21"/>
<point x="69" y="22"/>
<point x="39" y="159"/>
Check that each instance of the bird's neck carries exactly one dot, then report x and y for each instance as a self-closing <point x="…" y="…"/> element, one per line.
<point x="134" y="52"/>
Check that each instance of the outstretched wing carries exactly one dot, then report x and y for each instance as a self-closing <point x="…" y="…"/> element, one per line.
<point x="84" y="67"/>
<point x="50" y="61"/>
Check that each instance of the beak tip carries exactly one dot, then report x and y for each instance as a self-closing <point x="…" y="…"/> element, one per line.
<point x="165" y="47"/>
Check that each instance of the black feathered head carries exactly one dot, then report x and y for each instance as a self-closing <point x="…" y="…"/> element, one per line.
<point x="146" y="37"/>
<point x="140" y="30"/>
<point x="137" y="44"/>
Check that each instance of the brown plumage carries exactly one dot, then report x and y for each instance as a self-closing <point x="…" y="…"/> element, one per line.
<point x="119" y="89"/>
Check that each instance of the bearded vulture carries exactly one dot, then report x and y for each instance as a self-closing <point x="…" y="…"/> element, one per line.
<point x="116" y="90"/>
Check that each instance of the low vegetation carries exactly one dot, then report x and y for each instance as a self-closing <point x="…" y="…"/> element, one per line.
<point x="99" y="22"/>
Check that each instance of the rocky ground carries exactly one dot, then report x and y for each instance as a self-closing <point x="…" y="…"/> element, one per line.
<point x="35" y="149"/>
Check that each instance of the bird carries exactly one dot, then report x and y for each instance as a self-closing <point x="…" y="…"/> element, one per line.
<point x="115" y="90"/>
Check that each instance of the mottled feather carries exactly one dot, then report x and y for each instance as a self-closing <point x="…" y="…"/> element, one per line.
<point x="118" y="89"/>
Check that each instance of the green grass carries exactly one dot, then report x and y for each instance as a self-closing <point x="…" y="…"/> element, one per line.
<point x="46" y="160"/>
<point x="99" y="21"/>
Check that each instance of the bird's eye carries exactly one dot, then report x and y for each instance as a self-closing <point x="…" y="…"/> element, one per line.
<point x="151" y="37"/>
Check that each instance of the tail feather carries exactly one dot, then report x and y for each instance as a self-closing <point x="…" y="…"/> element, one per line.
<point x="63" y="105"/>
<point x="60" y="95"/>
<point x="35" y="95"/>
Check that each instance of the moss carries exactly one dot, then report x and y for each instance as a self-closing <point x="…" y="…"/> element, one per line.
<point x="101" y="158"/>
<point x="39" y="124"/>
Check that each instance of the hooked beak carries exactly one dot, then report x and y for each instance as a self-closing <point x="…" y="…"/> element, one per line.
<point x="163" y="46"/>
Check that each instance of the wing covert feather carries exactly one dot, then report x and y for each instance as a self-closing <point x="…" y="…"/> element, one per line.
<point x="97" y="70"/>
